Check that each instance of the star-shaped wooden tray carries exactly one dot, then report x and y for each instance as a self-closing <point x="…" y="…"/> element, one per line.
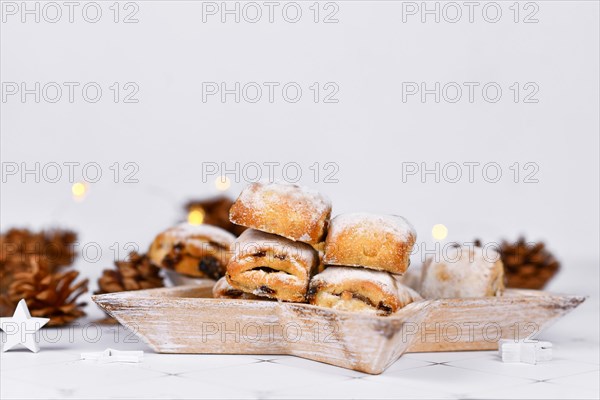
<point x="186" y="319"/>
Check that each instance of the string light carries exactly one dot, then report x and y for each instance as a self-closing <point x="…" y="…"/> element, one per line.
<point x="79" y="190"/>
<point x="222" y="183"/>
<point x="196" y="216"/>
<point x="439" y="231"/>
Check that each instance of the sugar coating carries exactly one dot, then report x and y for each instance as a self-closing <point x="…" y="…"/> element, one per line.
<point x="264" y="199"/>
<point x="367" y="224"/>
<point x="463" y="272"/>
<point x="260" y="195"/>
<point x="341" y="275"/>
<point x="251" y="240"/>
<point x="185" y="231"/>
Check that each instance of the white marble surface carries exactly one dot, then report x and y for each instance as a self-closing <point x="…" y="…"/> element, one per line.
<point x="57" y="371"/>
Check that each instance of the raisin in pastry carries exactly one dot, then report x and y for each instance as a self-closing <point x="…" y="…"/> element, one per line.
<point x="223" y="290"/>
<point x="359" y="290"/>
<point x="200" y="251"/>
<point x="271" y="266"/>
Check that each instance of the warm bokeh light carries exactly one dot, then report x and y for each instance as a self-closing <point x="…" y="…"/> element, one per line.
<point x="439" y="231"/>
<point x="196" y="216"/>
<point x="79" y="190"/>
<point x="222" y="183"/>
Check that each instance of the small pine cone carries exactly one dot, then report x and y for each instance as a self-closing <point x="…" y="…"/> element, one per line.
<point x="527" y="265"/>
<point x="48" y="294"/>
<point x="56" y="246"/>
<point x="135" y="274"/>
<point x="18" y="246"/>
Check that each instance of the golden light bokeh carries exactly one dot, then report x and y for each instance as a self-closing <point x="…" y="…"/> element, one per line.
<point x="439" y="232"/>
<point x="79" y="190"/>
<point x="196" y="216"/>
<point x="222" y="183"/>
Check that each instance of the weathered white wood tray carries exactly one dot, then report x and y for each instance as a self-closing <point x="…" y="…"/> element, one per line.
<point x="186" y="319"/>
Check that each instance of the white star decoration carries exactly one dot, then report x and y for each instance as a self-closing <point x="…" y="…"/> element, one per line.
<point x="21" y="328"/>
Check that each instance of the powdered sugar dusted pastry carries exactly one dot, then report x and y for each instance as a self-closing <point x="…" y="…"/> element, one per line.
<point x="295" y="212"/>
<point x="463" y="272"/>
<point x="223" y="290"/>
<point x="381" y="242"/>
<point x="194" y="250"/>
<point x="271" y="266"/>
<point x="359" y="289"/>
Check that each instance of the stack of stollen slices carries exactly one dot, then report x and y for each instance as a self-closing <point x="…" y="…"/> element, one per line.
<point x="277" y="257"/>
<point x="364" y="254"/>
<point x="293" y="252"/>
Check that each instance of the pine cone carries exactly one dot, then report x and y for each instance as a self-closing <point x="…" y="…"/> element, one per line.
<point x="17" y="246"/>
<point x="135" y="274"/>
<point x="215" y="212"/>
<point x="56" y="245"/>
<point x="527" y="265"/>
<point x="48" y="294"/>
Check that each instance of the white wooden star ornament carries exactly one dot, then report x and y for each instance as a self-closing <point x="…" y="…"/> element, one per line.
<point x="21" y="328"/>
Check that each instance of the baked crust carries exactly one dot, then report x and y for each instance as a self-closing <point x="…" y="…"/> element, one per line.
<point x="200" y="251"/>
<point x="223" y="290"/>
<point x="381" y="242"/>
<point x="268" y="265"/>
<point x="294" y="212"/>
<point x="464" y="272"/>
<point x="359" y="290"/>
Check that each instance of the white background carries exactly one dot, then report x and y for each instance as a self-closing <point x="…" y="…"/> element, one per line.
<point x="368" y="134"/>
